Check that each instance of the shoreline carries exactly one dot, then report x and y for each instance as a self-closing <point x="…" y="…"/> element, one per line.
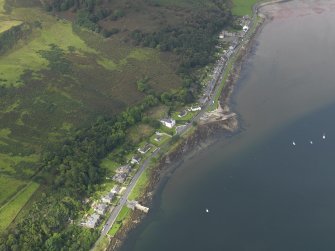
<point x="200" y="138"/>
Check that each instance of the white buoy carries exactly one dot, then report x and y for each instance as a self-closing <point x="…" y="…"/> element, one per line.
<point x="207" y="211"/>
<point x="311" y="142"/>
<point x="293" y="143"/>
<point x="324" y="136"/>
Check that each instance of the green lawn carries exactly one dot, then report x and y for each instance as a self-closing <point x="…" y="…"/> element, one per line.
<point x="184" y="119"/>
<point x="9" y="162"/>
<point x="10" y="210"/>
<point x="158" y="112"/>
<point x="2" y="10"/>
<point x="164" y="139"/>
<point x="109" y="165"/>
<point x="243" y="7"/>
<point x="27" y="57"/>
<point x="119" y="221"/>
<point x="170" y="131"/>
<point x="102" y="245"/>
<point x="140" y="185"/>
<point x="6" y="25"/>
<point x="8" y="187"/>
<point x="139" y="132"/>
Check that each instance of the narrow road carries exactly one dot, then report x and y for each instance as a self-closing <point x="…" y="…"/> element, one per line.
<point x="124" y="197"/>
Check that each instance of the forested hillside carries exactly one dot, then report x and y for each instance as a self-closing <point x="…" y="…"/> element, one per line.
<point x="76" y="76"/>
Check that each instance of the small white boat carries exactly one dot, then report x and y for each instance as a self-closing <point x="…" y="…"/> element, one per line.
<point x="311" y="142"/>
<point x="324" y="136"/>
<point x="207" y="211"/>
<point x="293" y="143"/>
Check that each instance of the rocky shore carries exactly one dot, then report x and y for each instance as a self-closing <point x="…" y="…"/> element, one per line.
<point x="195" y="142"/>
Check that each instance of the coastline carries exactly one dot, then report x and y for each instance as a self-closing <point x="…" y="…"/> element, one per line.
<point x="197" y="139"/>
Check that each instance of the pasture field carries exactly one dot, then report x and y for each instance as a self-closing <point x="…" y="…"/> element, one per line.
<point x="2" y="10"/>
<point x="243" y="7"/>
<point x="8" y="24"/>
<point x="58" y="79"/>
<point x="8" y="187"/>
<point x="10" y="210"/>
<point x="120" y="220"/>
<point x="140" y="185"/>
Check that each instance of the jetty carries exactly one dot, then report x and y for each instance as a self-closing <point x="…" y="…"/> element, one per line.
<point x="134" y="204"/>
<point x="216" y="115"/>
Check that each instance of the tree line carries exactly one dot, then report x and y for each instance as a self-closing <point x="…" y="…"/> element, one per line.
<point x="193" y="41"/>
<point x="70" y="172"/>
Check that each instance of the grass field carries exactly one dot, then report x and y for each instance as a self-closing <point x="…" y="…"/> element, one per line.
<point x="2" y="10"/>
<point x="41" y="104"/>
<point x="183" y="3"/>
<point x="119" y="221"/>
<point x="163" y="140"/>
<point x="243" y="7"/>
<point x="9" y="212"/>
<point x="140" y="185"/>
<point x="27" y="57"/>
<point x="184" y="119"/>
<point x="6" y="25"/>
<point x="8" y="187"/>
<point x="139" y="132"/>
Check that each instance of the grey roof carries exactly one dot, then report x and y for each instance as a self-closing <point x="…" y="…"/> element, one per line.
<point x="92" y="220"/>
<point x="120" y="177"/>
<point x="123" y="169"/>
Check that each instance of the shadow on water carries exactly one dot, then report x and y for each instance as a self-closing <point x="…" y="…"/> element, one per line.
<point x="262" y="192"/>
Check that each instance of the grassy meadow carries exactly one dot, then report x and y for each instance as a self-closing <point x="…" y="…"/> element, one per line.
<point x="10" y="210"/>
<point x="243" y="7"/>
<point x="58" y="79"/>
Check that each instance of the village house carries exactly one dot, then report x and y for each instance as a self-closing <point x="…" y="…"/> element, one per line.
<point x="107" y="198"/>
<point x="101" y="208"/>
<point x="123" y="169"/>
<point x="115" y="190"/>
<point x="135" y="160"/>
<point x="120" y="177"/>
<point x="92" y="221"/>
<point x="182" y="114"/>
<point x="170" y="123"/>
<point x="195" y="108"/>
<point x="144" y="149"/>
<point x="158" y="138"/>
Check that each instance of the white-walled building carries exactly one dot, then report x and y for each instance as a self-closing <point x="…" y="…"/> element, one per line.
<point x="168" y="122"/>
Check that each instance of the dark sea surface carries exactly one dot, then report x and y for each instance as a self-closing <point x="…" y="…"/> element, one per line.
<point x="262" y="192"/>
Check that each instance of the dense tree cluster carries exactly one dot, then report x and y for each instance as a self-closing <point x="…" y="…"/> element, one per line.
<point x="193" y="41"/>
<point x="9" y="38"/>
<point x="61" y="5"/>
<point x="56" y="58"/>
<point x="71" y="171"/>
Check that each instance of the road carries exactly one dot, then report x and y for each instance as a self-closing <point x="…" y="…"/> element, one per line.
<point x="124" y="197"/>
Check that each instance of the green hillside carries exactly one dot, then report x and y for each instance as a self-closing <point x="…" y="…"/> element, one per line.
<point x="65" y="74"/>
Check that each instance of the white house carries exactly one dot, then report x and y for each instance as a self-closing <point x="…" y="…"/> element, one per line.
<point x="182" y="113"/>
<point x="135" y="160"/>
<point x="144" y="149"/>
<point x="245" y="28"/>
<point x="193" y="109"/>
<point x="168" y="122"/>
